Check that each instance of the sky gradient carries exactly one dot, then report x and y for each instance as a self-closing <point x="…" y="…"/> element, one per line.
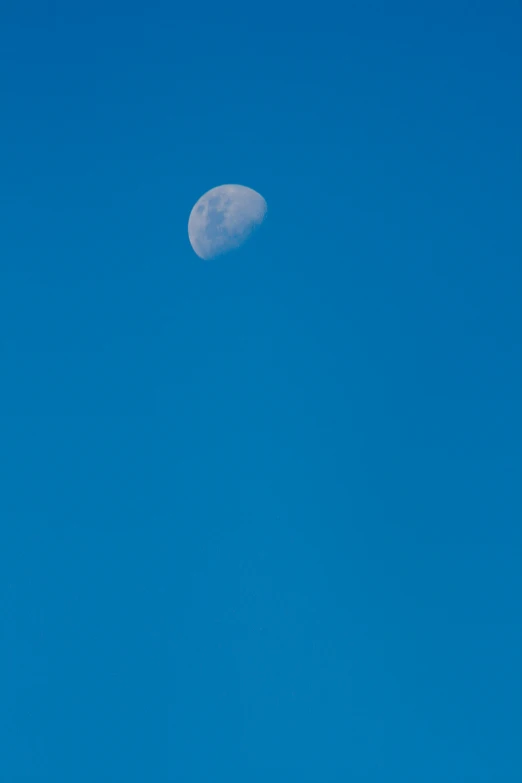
<point x="260" y="517"/>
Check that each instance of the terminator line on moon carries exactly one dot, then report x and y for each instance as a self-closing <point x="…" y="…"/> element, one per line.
<point x="223" y="218"/>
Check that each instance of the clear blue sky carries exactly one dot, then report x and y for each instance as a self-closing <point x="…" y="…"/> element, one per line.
<point x="260" y="518"/>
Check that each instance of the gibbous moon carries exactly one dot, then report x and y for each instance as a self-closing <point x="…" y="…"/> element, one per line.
<point x="223" y="218"/>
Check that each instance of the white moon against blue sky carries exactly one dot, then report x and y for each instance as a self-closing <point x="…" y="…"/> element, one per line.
<point x="223" y="218"/>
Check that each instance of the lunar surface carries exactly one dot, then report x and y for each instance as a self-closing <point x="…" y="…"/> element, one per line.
<point x="223" y="218"/>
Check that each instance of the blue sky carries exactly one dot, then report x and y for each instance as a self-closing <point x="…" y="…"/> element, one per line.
<point x="259" y="517"/>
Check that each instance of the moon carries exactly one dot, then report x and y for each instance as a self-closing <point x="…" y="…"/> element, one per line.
<point x="223" y="218"/>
